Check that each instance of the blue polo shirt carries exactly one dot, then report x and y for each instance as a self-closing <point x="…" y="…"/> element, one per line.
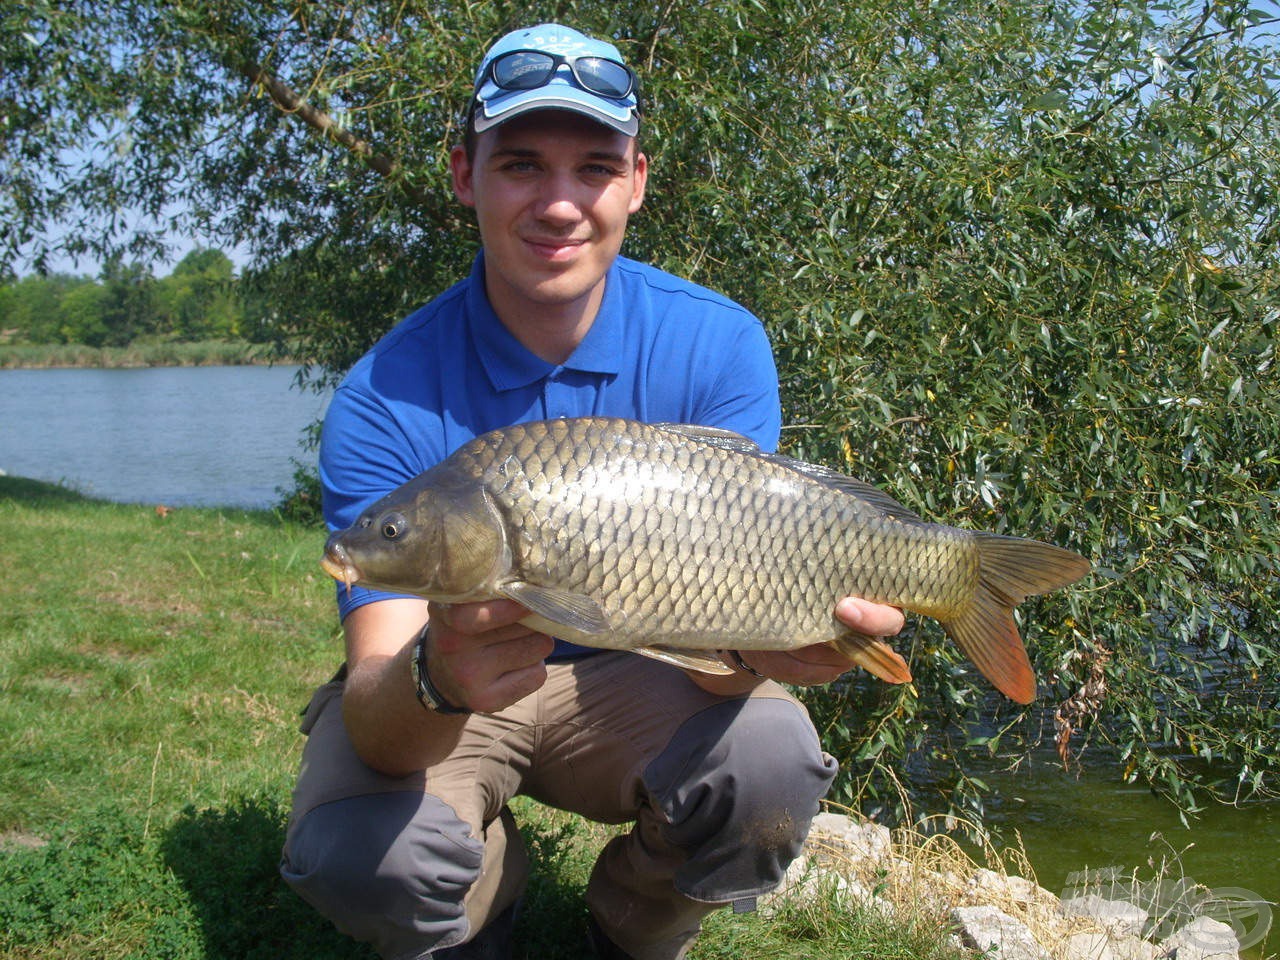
<point x="661" y="349"/>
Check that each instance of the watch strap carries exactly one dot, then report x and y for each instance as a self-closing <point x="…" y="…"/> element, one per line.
<point x="428" y="695"/>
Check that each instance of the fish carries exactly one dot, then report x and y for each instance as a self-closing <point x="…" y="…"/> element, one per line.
<point x="678" y="541"/>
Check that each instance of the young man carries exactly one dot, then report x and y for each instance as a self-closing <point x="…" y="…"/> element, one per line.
<point x="400" y="831"/>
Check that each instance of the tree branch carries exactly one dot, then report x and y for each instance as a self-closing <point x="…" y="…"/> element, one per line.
<point x="289" y="101"/>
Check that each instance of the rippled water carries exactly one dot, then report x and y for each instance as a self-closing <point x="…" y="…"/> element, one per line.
<point x="181" y="436"/>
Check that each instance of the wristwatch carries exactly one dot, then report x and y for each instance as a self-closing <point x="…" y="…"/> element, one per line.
<point x="428" y="695"/>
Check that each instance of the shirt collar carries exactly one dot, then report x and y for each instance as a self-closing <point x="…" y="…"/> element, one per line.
<point x="510" y="365"/>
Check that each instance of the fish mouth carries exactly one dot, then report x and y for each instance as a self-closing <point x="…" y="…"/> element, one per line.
<point x="337" y="565"/>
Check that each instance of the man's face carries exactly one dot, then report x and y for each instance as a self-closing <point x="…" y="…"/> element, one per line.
<point x="552" y="191"/>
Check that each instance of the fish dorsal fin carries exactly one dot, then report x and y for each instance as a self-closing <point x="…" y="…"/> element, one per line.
<point x="700" y="661"/>
<point x="850" y="485"/>
<point x="574" y="610"/>
<point x="715" y="436"/>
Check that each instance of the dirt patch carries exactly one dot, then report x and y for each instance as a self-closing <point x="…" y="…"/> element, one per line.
<point x="20" y="840"/>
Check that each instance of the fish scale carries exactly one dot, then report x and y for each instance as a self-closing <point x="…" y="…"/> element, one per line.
<point x="677" y="541"/>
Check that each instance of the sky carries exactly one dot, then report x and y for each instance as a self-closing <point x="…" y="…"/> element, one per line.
<point x="90" y="266"/>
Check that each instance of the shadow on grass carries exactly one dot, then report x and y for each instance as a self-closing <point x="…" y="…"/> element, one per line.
<point x="207" y="888"/>
<point x="226" y="860"/>
<point x="38" y="491"/>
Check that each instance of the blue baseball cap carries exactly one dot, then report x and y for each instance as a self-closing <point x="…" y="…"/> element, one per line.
<point x="604" y="98"/>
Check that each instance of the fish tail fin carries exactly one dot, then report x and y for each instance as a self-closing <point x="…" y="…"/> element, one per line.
<point x="1010" y="569"/>
<point x="875" y="656"/>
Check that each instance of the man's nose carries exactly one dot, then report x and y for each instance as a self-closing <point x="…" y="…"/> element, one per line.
<point x="558" y="200"/>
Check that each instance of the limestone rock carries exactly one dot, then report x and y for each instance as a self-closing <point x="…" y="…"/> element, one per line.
<point x="1097" y="945"/>
<point x="1202" y="939"/>
<point x="857" y="840"/>
<point x="991" y="930"/>
<point x="1120" y="916"/>
<point x="988" y="885"/>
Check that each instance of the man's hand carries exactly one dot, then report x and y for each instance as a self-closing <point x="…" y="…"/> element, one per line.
<point x="814" y="665"/>
<point x="822" y="662"/>
<point x="477" y="657"/>
<point x="480" y="657"/>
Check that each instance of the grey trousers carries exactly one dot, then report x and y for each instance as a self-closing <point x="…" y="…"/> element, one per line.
<point x="720" y="791"/>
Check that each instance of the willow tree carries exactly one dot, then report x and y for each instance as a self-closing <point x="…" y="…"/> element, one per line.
<point x="1018" y="261"/>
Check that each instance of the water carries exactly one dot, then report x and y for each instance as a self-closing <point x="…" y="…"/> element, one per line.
<point x="179" y="436"/>
<point x="1095" y="823"/>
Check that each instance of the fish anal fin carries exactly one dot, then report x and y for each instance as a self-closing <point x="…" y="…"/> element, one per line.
<point x="700" y="661"/>
<point x="574" y="610"/>
<point x="875" y="656"/>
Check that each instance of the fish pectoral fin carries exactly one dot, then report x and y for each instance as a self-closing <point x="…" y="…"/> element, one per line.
<point x="875" y="656"/>
<point x="574" y="610"/>
<point x="700" y="661"/>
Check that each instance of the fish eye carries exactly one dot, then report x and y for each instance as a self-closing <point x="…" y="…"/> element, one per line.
<point x="393" y="526"/>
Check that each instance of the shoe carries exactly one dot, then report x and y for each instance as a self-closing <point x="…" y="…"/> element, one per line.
<point x="493" y="942"/>
<point x="602" y="948"/>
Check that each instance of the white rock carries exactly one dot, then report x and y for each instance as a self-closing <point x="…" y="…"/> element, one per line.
<point x="1096" y="945"/>
<point x="1119" y="916"/>
<point x="1202" y="939"/>
<point x="990" y="885"/>
<point x="859" y="840"/>
<point x="806" y="882"/>
<point x="987" y="928"/>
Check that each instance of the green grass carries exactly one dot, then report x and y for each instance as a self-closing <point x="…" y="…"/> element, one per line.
<point x="151" y="673"/>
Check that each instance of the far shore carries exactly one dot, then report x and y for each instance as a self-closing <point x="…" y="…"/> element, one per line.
<point x="203" y="353"/>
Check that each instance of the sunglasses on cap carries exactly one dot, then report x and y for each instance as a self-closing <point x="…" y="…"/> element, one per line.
<point x="529" y="69"/>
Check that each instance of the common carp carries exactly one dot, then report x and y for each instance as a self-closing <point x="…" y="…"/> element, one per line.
<point x="677" y="541"/>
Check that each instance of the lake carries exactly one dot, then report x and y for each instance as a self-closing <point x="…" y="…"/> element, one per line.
<point x="178" y="436"/>
<point x="1091" y="821"/>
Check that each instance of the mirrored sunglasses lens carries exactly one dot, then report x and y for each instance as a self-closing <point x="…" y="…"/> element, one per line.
<point x="523" y="70"/>
<point x="603" y="76"/>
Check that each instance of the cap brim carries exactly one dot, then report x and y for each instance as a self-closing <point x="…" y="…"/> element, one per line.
<point x="495" y="110"/>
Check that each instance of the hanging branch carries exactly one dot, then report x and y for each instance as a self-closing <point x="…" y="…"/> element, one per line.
<point x="289" y="101"/>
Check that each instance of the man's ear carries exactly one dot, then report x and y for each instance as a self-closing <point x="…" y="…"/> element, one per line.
<point x="641" y="178"/>
<point x="462" y="171"/>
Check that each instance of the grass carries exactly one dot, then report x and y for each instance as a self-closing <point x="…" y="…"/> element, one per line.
<point x="151" y="672"/>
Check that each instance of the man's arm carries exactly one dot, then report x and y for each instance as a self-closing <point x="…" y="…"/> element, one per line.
<point x="478" y="657"/>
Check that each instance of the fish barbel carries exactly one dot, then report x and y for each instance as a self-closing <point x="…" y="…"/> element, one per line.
<point x="677" y="541"/>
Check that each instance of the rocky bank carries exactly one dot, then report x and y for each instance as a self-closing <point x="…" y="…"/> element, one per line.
<point x="1005" y="917"/>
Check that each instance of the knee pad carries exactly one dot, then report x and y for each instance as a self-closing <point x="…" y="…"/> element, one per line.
<point x="738" y="786"/>
<point x="390" y="869"/>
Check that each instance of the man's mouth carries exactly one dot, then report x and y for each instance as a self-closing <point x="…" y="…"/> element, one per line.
<point x="553" y="248"/>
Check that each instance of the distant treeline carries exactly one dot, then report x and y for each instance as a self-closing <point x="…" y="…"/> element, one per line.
<point x="200" y="300"/>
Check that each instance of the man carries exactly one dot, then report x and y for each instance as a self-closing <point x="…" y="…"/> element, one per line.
<point x="400" y="831"/>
